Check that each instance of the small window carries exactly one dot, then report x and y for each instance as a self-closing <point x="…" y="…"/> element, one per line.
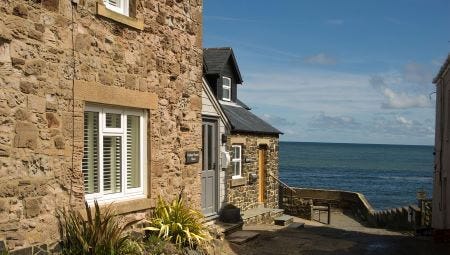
<point x="226" y="88"/>
<point x="119" y="6"/>
<point x="114" y="153"/>
<point x="236" y="160"/>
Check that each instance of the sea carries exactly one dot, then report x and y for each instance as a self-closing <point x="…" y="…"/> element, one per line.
<point x="388" y="175"/>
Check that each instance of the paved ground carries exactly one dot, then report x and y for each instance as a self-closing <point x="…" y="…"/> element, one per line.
<point x="343" y="236"/>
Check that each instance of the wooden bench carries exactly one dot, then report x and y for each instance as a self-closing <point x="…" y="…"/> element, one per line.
<point x="323" y="208"/>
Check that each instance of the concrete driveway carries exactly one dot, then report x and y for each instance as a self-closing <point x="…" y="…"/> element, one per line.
<point x="343" y="236"/>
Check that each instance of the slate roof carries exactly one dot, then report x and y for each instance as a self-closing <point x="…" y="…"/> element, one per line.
<point x="216" y="58"/>
<point x="442" y="70"/>
<point x="239" y="102"/>
<point x="242" y="120"/>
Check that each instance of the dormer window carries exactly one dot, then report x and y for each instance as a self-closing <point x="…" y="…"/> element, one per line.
<point x="119" y="6"/>
<point x="226" y="89"/>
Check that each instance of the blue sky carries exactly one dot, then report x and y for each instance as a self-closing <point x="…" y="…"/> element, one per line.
<point x="352" y="71"/>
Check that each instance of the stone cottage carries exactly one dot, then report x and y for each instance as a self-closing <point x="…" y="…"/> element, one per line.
<point x="247" y="168"/>
<point x="441" y="184"/>
<point x="99" y="100"/>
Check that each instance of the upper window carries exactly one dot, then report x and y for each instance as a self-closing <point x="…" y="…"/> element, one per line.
<point x="114" y="153"/>
<point x="119" y="6"/>
<point x="226" y="88"/>
<point x="236" y="160"/>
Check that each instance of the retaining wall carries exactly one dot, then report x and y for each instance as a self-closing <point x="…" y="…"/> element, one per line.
<point x="408" y="217"/>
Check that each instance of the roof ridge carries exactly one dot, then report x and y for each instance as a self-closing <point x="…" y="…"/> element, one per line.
<point x="218" y="48"/>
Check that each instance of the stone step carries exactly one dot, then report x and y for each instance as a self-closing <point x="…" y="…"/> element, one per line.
<point x="243" y="236"/>
<point x="228" y="228"/>
<point x="296" y="225"/>
<point x="284" y="220"/>
<point x="261" y="215"/>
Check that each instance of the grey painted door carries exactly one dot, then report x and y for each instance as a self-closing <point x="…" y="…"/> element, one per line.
<point x="209" y="167"/>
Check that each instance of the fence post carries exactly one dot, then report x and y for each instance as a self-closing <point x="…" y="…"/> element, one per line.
<point x="329" y="213"/>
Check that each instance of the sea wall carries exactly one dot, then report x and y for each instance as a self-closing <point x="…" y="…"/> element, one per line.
<point x="300" y="202"/>
<point x="352" y="201"/>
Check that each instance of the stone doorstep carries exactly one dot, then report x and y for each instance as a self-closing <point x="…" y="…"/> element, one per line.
<point x="296" y="225"/>
<point x="284" y="220"/>
<point x="243" y="236"/>
<point x="228" y="228"/>
<point x="261" y="211"/>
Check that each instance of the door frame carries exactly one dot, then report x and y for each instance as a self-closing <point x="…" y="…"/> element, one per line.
<point x="262" y="173"/>
<point x="215" y="121"/>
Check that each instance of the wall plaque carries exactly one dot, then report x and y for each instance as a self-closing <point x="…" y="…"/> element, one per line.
<point x="192" y="157"/>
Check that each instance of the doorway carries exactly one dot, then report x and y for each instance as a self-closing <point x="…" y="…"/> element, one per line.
<point x="262" y="173"/>
<point x="209" y="166"/>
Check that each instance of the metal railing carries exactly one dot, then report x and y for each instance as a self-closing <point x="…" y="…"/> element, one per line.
<point x="294" y="204"/>
<point x="287" y="197"/>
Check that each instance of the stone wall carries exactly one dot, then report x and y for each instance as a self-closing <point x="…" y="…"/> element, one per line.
<point x="354" y="202"/>
<point x="300" y="201"/>
<point x="244" y="193"/>
<point x="158" y="54"/>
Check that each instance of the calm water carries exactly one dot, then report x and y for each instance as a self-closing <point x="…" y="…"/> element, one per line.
<point x="388" y="175"/>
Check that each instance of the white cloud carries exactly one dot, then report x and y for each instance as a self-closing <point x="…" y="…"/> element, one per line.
<point x="323" y="105"/>
<point x="416" y="73"/>
<point x="409" y="88"/>
<point x="404" y="121"/>
<point x="403" y="101"/>
<point x="321" y="59"/>
<point x="401" y="126"/>
<point x="277" y="120"/>
<point x="323" y="121"/>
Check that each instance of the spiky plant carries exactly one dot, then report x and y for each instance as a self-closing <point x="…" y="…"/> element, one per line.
<point x="98" y="233"/>
<point x="177" y="223"/>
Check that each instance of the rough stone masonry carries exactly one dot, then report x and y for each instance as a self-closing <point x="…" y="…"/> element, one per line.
<point x="41" y="120"/>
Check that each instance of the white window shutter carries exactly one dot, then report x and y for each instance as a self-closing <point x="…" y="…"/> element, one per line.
<point x="112" y="164"/>
<point x="90" y="164"/>
<point x="133" y="151"/>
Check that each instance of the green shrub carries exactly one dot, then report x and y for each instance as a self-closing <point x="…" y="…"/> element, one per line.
<point x="98" y="233"/>
<point x="131" y="247"/>
<point x="177" y="223"/>
<point x="155" y="246"/>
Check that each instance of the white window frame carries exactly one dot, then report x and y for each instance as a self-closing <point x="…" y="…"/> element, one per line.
<point x="226" y="87"/>
<point x="239" y="160"/>
<point x="126" y="193"/>
<point x="123" y="8"/>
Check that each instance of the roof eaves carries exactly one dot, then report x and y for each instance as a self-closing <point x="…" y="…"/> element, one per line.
<point x="236" y="66"/>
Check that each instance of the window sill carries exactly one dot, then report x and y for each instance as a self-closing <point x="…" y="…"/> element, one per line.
<point x="238" y="182"/>
<point x="131" y="22"/>
<point x="123" y="207"/>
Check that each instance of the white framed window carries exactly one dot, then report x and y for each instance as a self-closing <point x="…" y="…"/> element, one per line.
<point x="236" y="160"/>
<point x="226" y="88"/>
<point x="119" y="6"/>
<point x="114" y="153"/>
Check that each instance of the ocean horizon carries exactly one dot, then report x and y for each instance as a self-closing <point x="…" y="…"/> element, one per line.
<point x="389" y="175"/>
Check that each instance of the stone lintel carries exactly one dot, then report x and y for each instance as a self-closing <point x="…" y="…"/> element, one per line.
<point x="262" y="141"/>
<point x="238" y="140"/>
<point x="98" y="93"/>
